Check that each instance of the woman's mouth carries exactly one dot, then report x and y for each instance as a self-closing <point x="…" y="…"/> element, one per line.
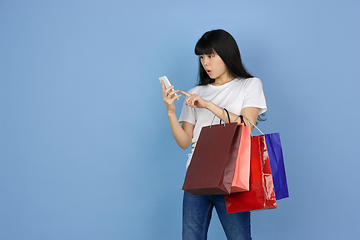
<point x="208" y="71"/>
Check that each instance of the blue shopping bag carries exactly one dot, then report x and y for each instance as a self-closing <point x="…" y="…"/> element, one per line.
<point x="277" y="165"/>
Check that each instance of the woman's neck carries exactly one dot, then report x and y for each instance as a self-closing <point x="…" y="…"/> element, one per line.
<point x="223" y="79"/>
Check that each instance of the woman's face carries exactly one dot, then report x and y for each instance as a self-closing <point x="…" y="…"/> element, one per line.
<point x="214" y="66"/>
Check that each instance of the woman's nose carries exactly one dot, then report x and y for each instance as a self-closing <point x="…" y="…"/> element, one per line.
<point x="205" y="62"/>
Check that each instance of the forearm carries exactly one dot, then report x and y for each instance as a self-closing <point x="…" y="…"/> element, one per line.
<point x="218" y="111"/>
<point x="181" y="137"/>
<point x="249" y="113"/>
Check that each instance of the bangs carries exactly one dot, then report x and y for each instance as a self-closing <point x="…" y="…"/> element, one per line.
<point x="202" y="48"/>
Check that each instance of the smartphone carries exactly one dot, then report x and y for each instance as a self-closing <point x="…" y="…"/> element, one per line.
<point x="167" y="83"/>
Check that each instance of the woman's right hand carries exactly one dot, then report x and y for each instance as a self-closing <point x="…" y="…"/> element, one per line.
<point x="182" y="133"/>
<point x="169" y="97"/>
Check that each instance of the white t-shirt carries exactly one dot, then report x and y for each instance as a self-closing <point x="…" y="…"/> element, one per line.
<point x="234" y="96"/>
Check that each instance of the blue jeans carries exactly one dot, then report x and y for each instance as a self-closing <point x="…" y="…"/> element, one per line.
<point x="197" y="212"/>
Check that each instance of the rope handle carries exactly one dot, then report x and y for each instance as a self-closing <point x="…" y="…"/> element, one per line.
<point x="240" y="116"/>
<point x="256" y="127"/>
<point x="224" y="110"/>
<point x="242" y="119"/>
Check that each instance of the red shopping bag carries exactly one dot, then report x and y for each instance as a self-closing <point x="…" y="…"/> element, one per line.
<point x="262" y="193"/>
<point x="241" y="180"/>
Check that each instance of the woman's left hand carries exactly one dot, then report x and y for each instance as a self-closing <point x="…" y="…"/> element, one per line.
<point x="194" y="100"/>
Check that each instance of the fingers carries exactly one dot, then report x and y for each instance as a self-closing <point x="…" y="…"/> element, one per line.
<point x="169" y="92"/>
<point x="172" y="94"/>
<point x="191" y="100"/>
<point x="166" y="90"/>
<point x="163" y="86"/>
<point x="185" y="93"/>
<point x="195" y="101"/>
<point x="176" y="97"/>
<point x="169" y="101"/>
<point x="170" y="97"/>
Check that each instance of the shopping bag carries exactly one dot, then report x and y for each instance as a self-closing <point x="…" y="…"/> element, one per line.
<point x="262" y="193"/>
<point x="212" y="166"/>
<point x="241" y="180"/>
<point x="277" y="165"/>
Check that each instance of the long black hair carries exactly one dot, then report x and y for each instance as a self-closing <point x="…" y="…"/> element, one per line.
<point x="225" y="46"/>
<point x="221" y="42"/>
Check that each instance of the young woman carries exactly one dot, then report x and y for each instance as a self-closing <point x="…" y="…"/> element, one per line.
<point x="223" y="83"/>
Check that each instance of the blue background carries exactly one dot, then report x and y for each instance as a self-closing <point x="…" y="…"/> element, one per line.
<point x="86" y="150"/>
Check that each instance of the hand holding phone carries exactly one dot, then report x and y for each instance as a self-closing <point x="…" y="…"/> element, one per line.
<point x="167" y="83"/>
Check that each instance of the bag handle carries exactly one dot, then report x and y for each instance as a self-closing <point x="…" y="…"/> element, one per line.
<point x="256" y="127"/>
<point x="224" y="110"/>
<point x="242" y="119"/>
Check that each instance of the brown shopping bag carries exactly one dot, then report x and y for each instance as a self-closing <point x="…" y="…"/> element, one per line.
<point x="212" y="166"/>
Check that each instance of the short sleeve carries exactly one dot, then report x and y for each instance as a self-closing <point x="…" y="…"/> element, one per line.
<point x="254" y="95"/>
<point x="187" y="114"/>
